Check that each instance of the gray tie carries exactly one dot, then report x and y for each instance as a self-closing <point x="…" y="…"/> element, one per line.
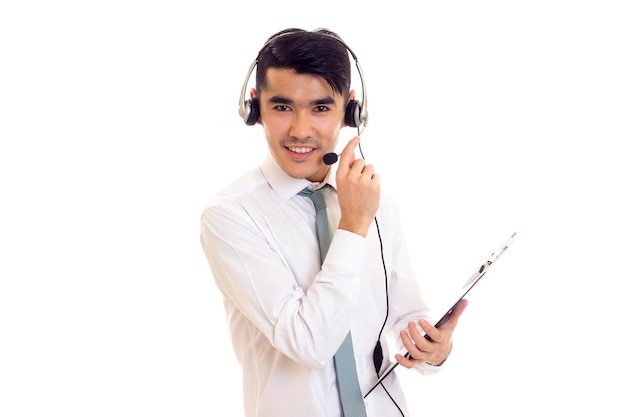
<point x="345" y="367"/>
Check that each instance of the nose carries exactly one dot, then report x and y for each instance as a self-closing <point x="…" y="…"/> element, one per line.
<point x="301" y="125"/>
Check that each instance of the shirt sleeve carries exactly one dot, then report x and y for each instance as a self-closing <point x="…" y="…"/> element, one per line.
<point x="306" y="324"/>
<point x="407" y="301"/>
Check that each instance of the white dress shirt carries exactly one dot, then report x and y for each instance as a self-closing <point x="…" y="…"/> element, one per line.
<point x="287" y="317"/>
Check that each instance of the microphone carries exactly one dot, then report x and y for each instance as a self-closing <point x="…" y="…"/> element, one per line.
<point x="330" y="158"/>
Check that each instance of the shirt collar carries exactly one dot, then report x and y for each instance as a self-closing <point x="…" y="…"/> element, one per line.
<point x="287" y="186"/>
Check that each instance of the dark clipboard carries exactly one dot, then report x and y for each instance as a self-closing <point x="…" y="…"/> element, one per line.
<point x="471" y="282"/>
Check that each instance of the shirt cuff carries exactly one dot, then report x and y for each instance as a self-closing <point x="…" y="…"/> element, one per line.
<point x="347" y="251"/>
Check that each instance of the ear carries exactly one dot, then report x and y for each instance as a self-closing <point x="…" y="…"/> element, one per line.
<point x="351" y="96"/>
<point x="254" y="95"/>
<point x="350" y="108"/>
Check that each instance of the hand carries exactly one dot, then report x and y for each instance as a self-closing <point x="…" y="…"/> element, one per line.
<point x="433" y="351"/>
<point x="358" y="191"/>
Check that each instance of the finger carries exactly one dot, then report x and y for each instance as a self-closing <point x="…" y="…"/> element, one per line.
<point x="360" y="172"/>
<point x="410" y="345"/>
<point x="422" y="343"/>
<point x="357" y="166"/>
<point x="347" y="155"/>
<point x="460" y="308"/>
<point x="404" y="361"/>
<point x="456" y="314"/>
<point x="369" y="172"/>
<point x="433" y="333"/>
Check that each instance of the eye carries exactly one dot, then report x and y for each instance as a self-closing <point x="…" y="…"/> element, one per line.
<point x="282" y="107"/>
<point x="321" y="109"/>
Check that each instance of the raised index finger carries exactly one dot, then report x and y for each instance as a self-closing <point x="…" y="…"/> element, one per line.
<point x="347" y="156"/>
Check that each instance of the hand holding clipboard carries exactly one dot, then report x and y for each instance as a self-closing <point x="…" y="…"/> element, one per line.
<point x="471" y="282"/>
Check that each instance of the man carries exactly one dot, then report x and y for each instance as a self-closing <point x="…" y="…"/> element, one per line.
<point x="289" y="309"/>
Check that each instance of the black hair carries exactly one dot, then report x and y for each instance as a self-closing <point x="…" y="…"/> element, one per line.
<point x="319" y="52"/>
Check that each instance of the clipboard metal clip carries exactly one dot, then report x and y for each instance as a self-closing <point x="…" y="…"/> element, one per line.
<point x="485" y="266"/>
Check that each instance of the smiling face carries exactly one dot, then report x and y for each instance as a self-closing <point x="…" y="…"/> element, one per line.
<point x="302" y="117"/>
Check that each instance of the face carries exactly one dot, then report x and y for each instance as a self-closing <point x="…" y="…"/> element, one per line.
<point x="302" y="117"/>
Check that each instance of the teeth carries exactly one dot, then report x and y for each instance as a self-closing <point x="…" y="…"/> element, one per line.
<point x="300" y="150"/>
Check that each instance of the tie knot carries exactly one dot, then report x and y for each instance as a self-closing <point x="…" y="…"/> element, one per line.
<point x="318" y="196"/>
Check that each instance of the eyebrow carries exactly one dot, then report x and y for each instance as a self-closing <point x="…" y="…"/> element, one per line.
<point x="285" y="100"/>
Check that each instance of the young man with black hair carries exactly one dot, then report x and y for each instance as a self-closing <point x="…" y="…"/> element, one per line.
<point x="289" y="309"/>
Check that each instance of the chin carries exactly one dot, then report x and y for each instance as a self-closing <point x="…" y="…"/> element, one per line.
<point x="303" y="174"/>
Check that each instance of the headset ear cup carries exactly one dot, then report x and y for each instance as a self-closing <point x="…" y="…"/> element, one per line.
<point x="252" y="112"/>
<point x="353" y="113"/>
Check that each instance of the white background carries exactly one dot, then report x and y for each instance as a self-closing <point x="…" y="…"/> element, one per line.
<point x="118" y="121"/>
